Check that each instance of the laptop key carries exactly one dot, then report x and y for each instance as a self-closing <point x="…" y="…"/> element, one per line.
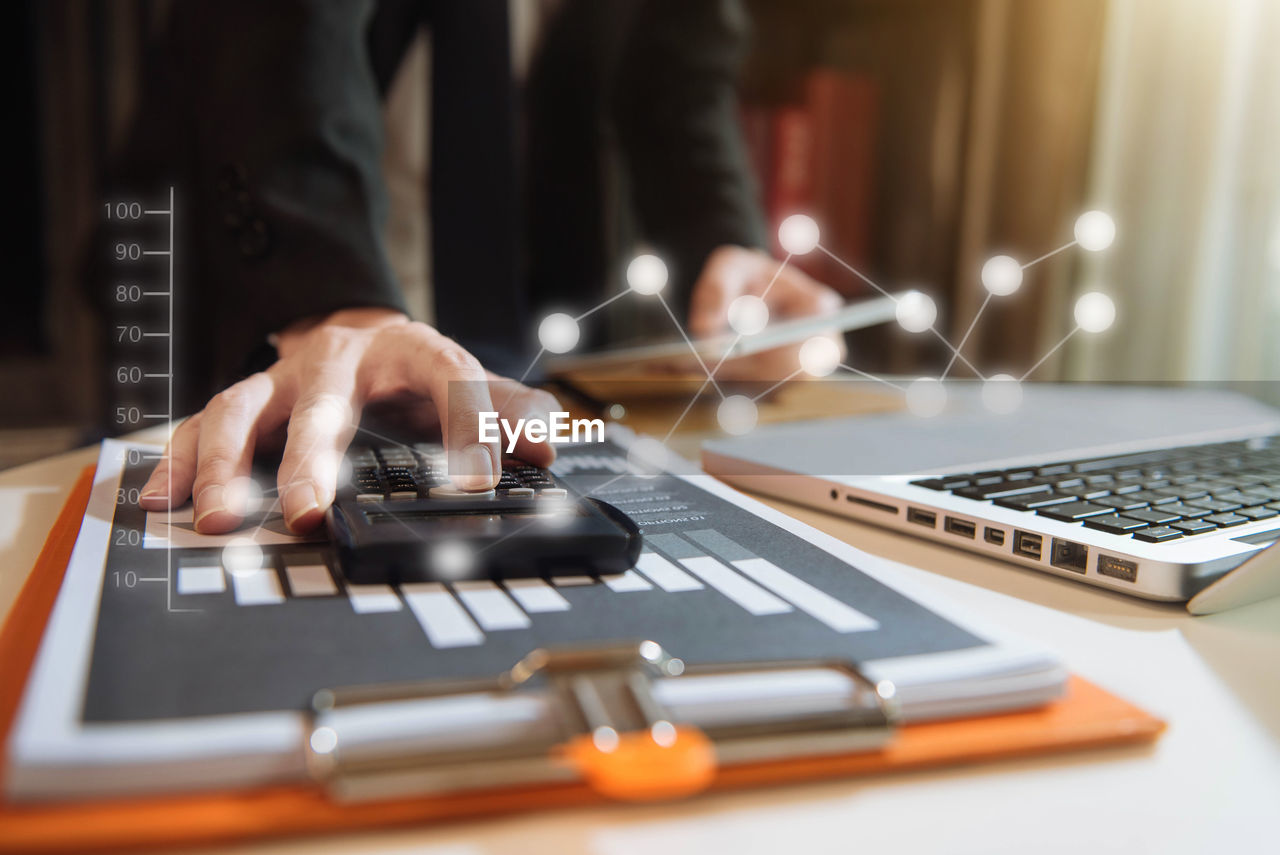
<point x="1215" y="505"/>
<point x="944" y="483"/>
<point x="1032" y="501"/>
<point x="1002" y="489"/>
<point x="1263" y="513"/>
<point x="1194" y="526"/>
<point x="1190" y="512"/>
<point x="1153" y="516"/>
<point x="1074" y="511"/>
<point x="1226" y="520"/>
<point x="1151" y="497"/>
<point x="1115" y="524"/>
<point x="1122" y="503"/>
<point x="1157" y="534"/>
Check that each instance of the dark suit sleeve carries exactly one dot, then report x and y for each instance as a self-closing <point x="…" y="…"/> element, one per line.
<point x="675" y="108"/>
<point x="287" y="136"/>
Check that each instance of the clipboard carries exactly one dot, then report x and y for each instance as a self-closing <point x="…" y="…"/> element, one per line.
<point x="1086" y="717"/>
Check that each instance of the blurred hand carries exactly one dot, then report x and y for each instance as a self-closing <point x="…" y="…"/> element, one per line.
<point x="328" y="372"/>
<point x="730" y="272"/>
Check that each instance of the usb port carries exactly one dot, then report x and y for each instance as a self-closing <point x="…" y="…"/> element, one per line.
<point x="919" y="516"/>
<point x="1117" y="568"/>
<point x="964" y="528"/>
<point x="1027" y="544"/>
<point x="1068" y="555"/>
<point x="993" y="535"/>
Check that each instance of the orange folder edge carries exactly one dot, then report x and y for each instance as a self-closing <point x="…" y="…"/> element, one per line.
<point x="1086" y="717"/>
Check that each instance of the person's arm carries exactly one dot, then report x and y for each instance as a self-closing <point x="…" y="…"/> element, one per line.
<point x="287" y="123"/>
<point x="676" y="109"/>
<point x="287" y="129"/>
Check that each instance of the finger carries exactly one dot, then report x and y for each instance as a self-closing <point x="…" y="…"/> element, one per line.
<point x="522" y="402"/>
<point x="436" y="366"/>
<point x="715" y="289"/>
<point x="228" y="431"/>
<point x="170" y="482"/>
<point x="321" y="426"/>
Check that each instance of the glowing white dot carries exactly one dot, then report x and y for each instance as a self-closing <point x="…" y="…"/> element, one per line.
<point x="916" y="311"/>
<point x="1001" y="275"/>
<point x="748" y="314"/>
<point x="1095" y="230"/>
<point x="663" y="733"/>
<point x="926" y="397"/>
<point x="798" y="234"/>
<point x="324" y="740"/>
<point x="1001" y="393"/>
<point x="1095" y="312"/>
<point x="647" y="456"/>
<point x="617" y="411"/>
<point x="647" y="274"/>
<point x="737" y="414"/>
<point x="605" y="739"/>
<point x="558" y="333"/>
<point x="819" y="356"/>
<point x="453" y="559"/>
<point x="242" y="556"/>
<point x="651" y="650"/>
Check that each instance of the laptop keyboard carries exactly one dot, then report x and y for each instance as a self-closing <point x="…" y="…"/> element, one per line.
<point x="1153" y="496"/>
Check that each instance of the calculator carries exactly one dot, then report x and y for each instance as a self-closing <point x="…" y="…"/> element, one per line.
<point x="399" y="519"/>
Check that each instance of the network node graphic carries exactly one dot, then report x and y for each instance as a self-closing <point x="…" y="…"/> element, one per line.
<point x="737" y="414"/>
<point x="916" y="312"/>
<point x="647" y="274"/>
<point x="1002" y="275"/>
<point x="819" y="356"/>
<point x="1095" y="312"/>
<point x="242" y="556"/>
<point x="748" y="315"/>
<point x="799" y="234"/>
<point x="1002" y="393"/>
<point x="558" y="333"/>
<point x="453" y="558"/>
<point x="926" y="397"/>
<point x="1095" y="231"/>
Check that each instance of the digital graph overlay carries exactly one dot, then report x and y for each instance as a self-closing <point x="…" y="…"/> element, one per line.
<point x="820" y="356"/>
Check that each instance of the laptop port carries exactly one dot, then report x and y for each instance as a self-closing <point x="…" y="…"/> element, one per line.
<point x="1027" y="544"/>
<point x="919" y="516"/>
<point x="1117" y="568"/>
<point x="964" y="528"/>
<point x="1068" y="555"/>
<point x="993" y="535"/>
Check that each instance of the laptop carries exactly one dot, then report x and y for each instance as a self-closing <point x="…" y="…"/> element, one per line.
<point x="1153" y="492"/>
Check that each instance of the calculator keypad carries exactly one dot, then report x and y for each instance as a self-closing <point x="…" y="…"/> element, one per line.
<point x="391" y="473"/>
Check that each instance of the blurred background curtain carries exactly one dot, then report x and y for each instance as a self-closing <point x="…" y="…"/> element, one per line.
<point x="1187" y="158"/>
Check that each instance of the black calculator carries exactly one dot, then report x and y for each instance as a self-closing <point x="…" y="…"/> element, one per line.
<point x="399" y="519"/>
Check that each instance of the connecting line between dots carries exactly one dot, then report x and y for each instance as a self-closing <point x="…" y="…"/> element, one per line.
<point x="776" y="385"/>
<point x="689" y="341"/>
<point x="967" y="333"/>
<point x="870" y="376"/>
<point x="1045" y="358"/>
<point x="1063" y="248"/>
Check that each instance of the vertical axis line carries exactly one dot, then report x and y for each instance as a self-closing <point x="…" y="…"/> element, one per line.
<point x="168" y="548"/>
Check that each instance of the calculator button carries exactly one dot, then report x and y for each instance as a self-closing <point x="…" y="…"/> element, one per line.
<point x="369" y="497"/>
<point x="554" y="493"/>
<point x="520" y="493"/>
<point x="447" y="492"/>
<point x="404" y="495"/>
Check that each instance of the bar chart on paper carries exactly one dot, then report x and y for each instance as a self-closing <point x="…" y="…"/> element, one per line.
<point x="714" y="583"/>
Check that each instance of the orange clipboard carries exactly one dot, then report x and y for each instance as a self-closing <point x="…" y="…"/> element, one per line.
<point x="1085" y="717"/>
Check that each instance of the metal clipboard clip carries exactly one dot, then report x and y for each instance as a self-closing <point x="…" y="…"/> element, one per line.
<point x="629" y="720"/>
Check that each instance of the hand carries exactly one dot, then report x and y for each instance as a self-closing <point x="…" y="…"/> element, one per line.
<point x="329" y="370"/>
<point x="730" y="272"/>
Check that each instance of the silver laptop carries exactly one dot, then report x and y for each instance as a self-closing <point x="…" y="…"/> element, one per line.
<point x="1155" y="492"/>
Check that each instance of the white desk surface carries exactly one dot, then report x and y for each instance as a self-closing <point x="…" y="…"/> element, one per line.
<point x="1211" y="783"/>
